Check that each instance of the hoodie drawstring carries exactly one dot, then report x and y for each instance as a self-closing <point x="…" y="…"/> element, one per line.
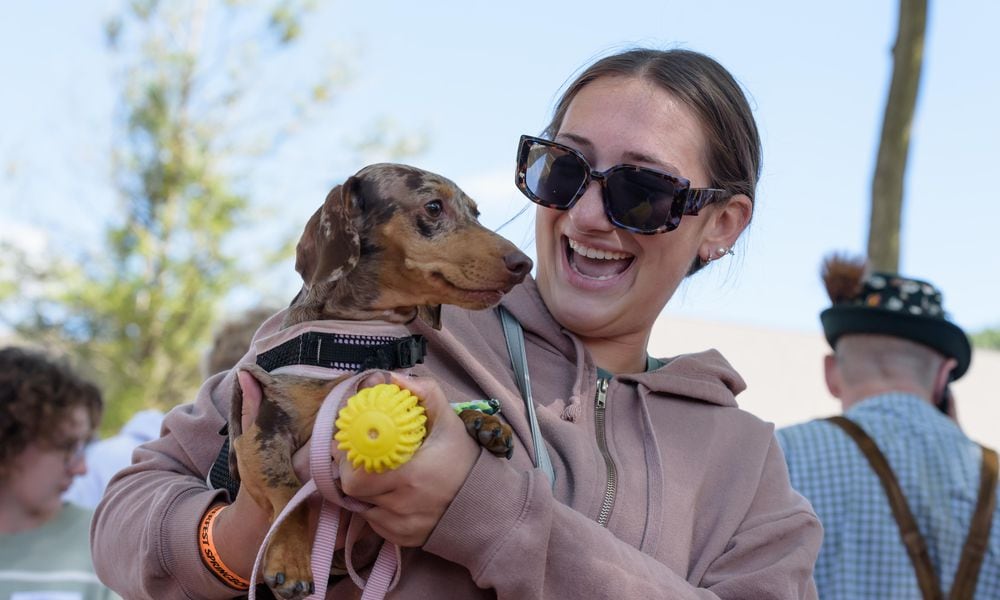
<point x="574" y="407"/>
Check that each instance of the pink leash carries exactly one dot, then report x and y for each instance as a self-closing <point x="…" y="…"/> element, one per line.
<point x="325" y="480"/>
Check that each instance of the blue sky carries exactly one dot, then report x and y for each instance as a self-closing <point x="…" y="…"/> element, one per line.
<point x="475" y="75"/>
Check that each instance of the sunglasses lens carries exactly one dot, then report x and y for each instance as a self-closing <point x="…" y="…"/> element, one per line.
<point x="552" y="175"/>
<point x="640" y="200"/>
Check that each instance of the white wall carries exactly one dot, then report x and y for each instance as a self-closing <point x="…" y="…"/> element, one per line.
<point x="784" y="373"/>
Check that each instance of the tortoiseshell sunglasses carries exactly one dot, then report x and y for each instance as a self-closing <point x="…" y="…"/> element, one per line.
<point x="637" y="199"/>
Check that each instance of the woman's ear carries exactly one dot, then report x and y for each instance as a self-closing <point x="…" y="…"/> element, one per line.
<point x="725" y="224"/>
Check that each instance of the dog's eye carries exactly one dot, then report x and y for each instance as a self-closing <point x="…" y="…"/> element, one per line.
<point x="433" y="208"/>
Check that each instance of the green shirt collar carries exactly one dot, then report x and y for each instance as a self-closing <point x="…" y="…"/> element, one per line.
<point x="652" y="364"/>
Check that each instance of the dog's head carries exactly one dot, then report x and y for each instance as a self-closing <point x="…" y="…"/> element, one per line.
<point x="394" y="241"/>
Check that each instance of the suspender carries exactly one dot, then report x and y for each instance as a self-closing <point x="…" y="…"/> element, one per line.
<point x="916" y="547"/>
<point x="979" y="529"/>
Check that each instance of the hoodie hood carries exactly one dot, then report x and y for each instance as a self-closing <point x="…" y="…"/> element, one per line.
<point x="527" y="306"/>
<point x="703" y="376"/>
<point x="144" y="425"/>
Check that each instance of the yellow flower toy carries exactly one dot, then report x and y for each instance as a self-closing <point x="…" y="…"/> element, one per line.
<point x="381" y="427"/>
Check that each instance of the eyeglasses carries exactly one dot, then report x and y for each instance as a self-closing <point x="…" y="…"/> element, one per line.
<point x="637" y="199"/>
<point x="72" y="450"/>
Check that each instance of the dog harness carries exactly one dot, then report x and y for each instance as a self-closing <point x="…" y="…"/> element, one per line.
<point x="346" y="352"/>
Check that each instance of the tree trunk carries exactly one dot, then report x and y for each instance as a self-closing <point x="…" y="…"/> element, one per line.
<point x="890" y="168"/>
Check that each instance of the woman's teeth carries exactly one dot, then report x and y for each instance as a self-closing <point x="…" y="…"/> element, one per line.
<point x="596" y="264"/>
<point x="595" y="253"/>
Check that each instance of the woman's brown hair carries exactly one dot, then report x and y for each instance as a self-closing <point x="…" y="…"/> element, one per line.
<point x="734" y="154"/>
<point x="734" y="150"/>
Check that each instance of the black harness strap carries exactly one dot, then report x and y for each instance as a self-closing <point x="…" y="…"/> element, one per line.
<point x="346" y="352"/>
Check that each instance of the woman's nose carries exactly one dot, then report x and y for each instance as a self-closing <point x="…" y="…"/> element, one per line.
<point x="588" y="212"/>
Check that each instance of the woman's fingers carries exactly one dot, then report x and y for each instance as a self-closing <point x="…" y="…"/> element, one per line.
<point x="431" y="397"/>
<point x="408" y="502"/>
<point x="374" y="378"/>
<point x="252" y="396"/>
<point x="300" y="461"/>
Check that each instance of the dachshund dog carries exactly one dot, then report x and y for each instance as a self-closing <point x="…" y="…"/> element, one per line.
<point x="392" y="243"/>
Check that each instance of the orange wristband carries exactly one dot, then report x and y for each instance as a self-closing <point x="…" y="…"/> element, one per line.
<point x="210" y="556"/>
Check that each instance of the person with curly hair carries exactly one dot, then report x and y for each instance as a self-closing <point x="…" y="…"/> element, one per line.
<point x="47" y="415"/>
<point x="108" y="456"/>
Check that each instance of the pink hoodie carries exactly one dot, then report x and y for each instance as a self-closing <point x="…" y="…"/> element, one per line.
<point x="702" y="509"/>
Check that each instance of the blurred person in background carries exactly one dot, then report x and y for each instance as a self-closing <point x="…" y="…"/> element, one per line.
<point x="47" y="415"/>
<point x="232" y="340"/>
<point x="108" y="456"/>
<point x="906" y="499"/>
<point x="105" y="458"/>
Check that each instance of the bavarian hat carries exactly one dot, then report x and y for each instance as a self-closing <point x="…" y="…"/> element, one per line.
<point x="890" y="304"/>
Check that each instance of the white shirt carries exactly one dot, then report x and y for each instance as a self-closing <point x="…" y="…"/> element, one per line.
<point x="108" y="456"/>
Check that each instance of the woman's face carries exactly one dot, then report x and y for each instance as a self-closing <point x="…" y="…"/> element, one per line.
<point x="597" y="280"/>
<point x="42" y="473"/>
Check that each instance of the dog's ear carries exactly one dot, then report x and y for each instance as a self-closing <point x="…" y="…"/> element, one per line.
<point x="430" y="314"/>
<point x="329" y="247"/>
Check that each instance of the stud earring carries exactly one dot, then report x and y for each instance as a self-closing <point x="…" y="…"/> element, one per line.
<point x="724" y="251"/>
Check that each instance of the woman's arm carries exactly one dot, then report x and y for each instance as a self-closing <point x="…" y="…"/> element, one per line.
<point x="513" y="536"/>
<point x="144" y="536"/>
<point x="525" y="544"/>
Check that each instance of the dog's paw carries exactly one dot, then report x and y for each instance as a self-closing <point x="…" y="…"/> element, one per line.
<point x="289" y="589"/>
<point x="286" y="565"/>
<point x="491" y="433"/>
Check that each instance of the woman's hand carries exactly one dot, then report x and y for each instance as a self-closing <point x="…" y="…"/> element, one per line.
<point x="241" y="527"/>
<point x="409" y="501"/>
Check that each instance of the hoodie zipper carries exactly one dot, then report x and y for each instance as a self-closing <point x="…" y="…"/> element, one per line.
<point x="600" y="403"/>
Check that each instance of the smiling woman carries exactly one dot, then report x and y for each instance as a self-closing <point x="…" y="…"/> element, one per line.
<point x="595" y="273"/>
<point x="47" y="414"/>
<point x="630" y="476"/>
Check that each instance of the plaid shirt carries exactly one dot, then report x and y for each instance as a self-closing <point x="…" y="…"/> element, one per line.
<point x="938" y="470"/>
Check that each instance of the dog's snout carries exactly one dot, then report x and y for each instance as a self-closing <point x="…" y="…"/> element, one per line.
<point x="517" y="263"/>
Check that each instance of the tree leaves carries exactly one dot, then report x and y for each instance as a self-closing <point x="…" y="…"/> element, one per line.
<point x="136" y="309"/>
<point x="138" y="313"/>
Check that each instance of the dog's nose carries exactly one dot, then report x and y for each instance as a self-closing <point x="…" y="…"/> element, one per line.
<point x="517" y="263"/>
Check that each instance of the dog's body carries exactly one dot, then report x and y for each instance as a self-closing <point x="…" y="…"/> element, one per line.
<point x="390" y="244"/>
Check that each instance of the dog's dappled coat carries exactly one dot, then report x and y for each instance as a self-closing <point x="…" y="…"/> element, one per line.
<point x="390" y="244"/>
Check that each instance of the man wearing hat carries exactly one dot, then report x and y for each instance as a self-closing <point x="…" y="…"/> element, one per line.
<point x="907" y="501"/>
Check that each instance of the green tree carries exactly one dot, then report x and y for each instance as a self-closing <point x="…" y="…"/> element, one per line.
<point x="987" y="338"/>
<point x="894" y="144"/>
<point x="138" y="313"/>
